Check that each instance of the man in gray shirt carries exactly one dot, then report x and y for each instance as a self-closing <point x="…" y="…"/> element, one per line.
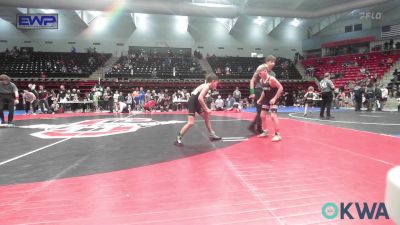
<point x="8" y="95"/>
<point x="326" y="86"/>
<point x="237" y="95"/>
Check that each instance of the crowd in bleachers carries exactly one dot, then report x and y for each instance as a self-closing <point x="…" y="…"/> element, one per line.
<point x="19" y="62"/>
<point x="117" y="99"/>
<point x="150" y="65"/>
<point x="244" y="67"/>
<point x="353" y="68"/>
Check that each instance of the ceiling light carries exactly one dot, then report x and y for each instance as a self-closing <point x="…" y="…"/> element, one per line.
<point x="259" y="20"/>
<point x="295" y="22"/>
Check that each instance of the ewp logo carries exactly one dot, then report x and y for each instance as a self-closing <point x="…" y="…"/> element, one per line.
<point x="364" y="211"/>
<point x="37" y="21"/>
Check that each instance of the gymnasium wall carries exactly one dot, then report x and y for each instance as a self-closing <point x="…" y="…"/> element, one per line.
<point x="155" y="30"/>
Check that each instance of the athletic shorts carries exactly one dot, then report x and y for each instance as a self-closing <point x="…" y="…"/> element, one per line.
<point x="267" y="107"/>
<point x="194" y="105"/>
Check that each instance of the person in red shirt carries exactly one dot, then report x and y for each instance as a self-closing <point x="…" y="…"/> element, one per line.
<point x="148" y="106"/>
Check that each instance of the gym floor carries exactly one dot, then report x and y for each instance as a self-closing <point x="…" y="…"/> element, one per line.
<point x="101" y="168"/>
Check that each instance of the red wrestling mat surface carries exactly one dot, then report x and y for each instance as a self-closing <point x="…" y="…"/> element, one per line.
<point x="254" y="182"/>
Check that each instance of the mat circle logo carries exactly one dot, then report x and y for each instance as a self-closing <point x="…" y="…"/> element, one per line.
<point x="96" y="128"/>
<point x="330" y="210"/>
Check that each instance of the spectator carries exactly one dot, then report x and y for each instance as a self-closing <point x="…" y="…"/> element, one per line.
<point x="154" y="73"/>
<point x="358" y="94"/>
<point x="351" y="85"/>
<point x="239" y="69"/>
<point x="389" y="62"/>
<point x="29" y="100"/>
<point x="141" y="97"/>
<point x="218" y="71"/>
<point x="227" y="70"/>
<point x="219" y="104"/>
<point x="362" y="70"/>
<point x="385" y="95"/>
<point x="147" y="96"/>
<point x="237" y="95"/>
<point x="398" y="105"/>
<point x="370" y="97"/>
<point x="386" y="46"/>
<point x="229" y="102"/>
<point x="310" y="70"/>
<point x="378" y="98"/>
<point x="43" y="100"/>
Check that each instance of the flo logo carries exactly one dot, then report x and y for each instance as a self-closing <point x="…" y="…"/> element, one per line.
<point x="355" y="210"/>
<point x="95" y="128"/>
<point x="370" y="15"/>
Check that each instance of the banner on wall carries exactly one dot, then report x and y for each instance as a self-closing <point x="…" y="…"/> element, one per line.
<point x="37" y="21"/>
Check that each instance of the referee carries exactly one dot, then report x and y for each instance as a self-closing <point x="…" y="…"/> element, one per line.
<point x="326" y="86"/>
<point x="8" y="95"/>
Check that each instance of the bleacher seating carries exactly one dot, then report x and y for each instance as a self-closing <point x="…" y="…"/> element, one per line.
<point x="244" y="67"/>
<point x="142" y="67"/>
<point x="374" y="62"/>
<point x="51" y="64"/>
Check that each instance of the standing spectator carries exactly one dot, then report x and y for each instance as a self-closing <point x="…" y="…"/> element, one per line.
<point x="43" y="99"/>
<point x="378" y="98"/>
<point x="167" y="100"/>
<point x="141" y="97"/>
<point x="358" y="95"/>
<point x="130" y="102"/>
<point x="237" y="95"/>
<point x="109" y="97"/>
<point x="396" y="75"/>
<point x="147" y="96"/>
<point x="94" y="96"/>
<point x="8" y="95"/>
<point x="398" y="105"/>
<point x="116" y="98"/>
<point x="385" y="95"/>
<point x="121" y="102"/>
<point x="370" y="97"/>
<point x="326" y="87"/>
